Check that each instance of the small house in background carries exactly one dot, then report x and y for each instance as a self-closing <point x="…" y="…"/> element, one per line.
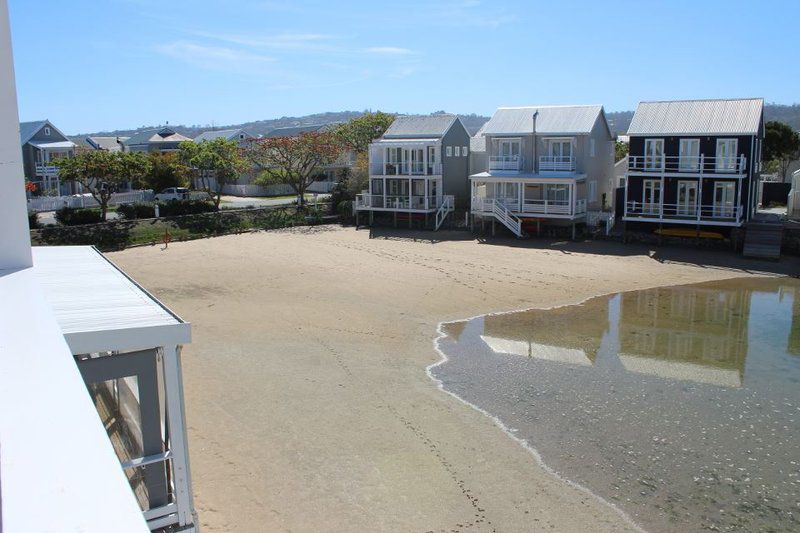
<point x="331" y="172"/>
<point x="242" y="138"/>
<point x="544" y="165"/>
<point x="154" y="140"/>
<point x="109" y="144"/>
<point x="418" y="170"/>
<point x="239" y="135"/>
<point x="695" y="163"/>
<point x="42" y="143"/>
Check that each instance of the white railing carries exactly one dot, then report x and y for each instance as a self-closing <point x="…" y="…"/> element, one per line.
<point x="557" y="163"/>
<point x="505" y="162"/>
<point x="547" y="207"/>
<point x="689" y="164"/>
<point x="725" y="213"/>
<point x="530" y="206"/>
<point x="54" y="203"/>
<point x="399" y="203"/>
<point x="501" y="213"/>
<point x="48" y="171"/>
<point x="444" y="210"/>
<point x="405" y="168"/>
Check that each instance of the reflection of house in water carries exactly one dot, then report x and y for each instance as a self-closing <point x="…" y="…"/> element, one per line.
<point x="793" y="346"/>
<point x="689" y="333"/>
<point x="567" y="334"/>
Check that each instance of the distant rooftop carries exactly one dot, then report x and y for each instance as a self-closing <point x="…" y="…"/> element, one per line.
<point x="420" y="126"/>
<point x="294" y="131"/>
<point x="698" y="117"/>
<point x="230" y="134"/>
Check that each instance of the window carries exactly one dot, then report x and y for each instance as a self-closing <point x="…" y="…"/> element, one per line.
<point x="508" y="148"/>
<point x="689" y="160"/>
<point x="651" y="196"/>
<point x="724" y="192"/>
<point x="464" y="151"/>
<point x="592" y="191"/>
<point x="726" y="155"/>
<point x="653" y="154"/>
<point x="46" y="131"/>
<point x="591" y="147"/>
<point x="448" y="151"/>
<point x="458" y="151"/>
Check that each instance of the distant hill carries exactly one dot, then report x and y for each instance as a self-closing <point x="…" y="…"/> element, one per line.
<point x="790" y="114"/>
<point x="618" y="120"/>
<point x="472" y="122"/>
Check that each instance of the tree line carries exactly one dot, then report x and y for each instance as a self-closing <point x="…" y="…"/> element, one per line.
<point x="210" y="165"/>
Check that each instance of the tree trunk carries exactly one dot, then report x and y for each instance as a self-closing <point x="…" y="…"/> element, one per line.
<point x="103" y="210"/>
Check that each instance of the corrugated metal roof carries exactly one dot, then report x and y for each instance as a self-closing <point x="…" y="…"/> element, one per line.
<point x="154" y="135"/>
<point x="550" y="120"/>
<point x="111" y="144"/>
<point x="420" y="126"/>
<point x="698" y="117"/>
<point x="294" y="131"/>
<point x="231" y="135"/>
<point x="28" y="129"/>
<point x="477" y="143"/>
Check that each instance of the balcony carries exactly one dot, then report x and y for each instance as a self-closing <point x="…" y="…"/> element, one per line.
<point x="531" y="206"/>
<point x="366" y="201"/>
<point x="506" y="162"/>
<point x="726" y="213"/>
<point x="688" y="164"/>
<point x="405" y="168"/>
<point x="555" y="163"/>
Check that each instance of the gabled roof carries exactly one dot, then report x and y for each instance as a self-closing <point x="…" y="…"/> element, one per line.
<point x="155" y="135"/>
<point x="294" y="131"/>
<point x="232" y="134"/>
<point x="550" y="120"/>
<point x="28" y="129"/>
<point x="111" y="144"/>
<point x="698" y="117"/>
<point x="477" y="143"/>
<point x="411" y="126"/>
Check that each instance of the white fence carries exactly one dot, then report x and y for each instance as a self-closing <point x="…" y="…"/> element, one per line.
<point x="53" y="203"/>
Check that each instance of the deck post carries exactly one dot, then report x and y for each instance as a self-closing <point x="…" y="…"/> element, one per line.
<point x="573" y="231"/>
<point x="493" y="230"/>
<point x="395" y="218"/>
<point x="371" y="217"/>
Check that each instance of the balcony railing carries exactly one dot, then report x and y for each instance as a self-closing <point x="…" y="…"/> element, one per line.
<point x="689" y="164"/>
<point x="399" y="203"/>
<point x="406" y="168"/>
<point x="505" y="162"/>
<point x="721" y="213"/>
<point x="530" y="206"/>
<point x="556" y="163"/>
<point x="47" y="171"/>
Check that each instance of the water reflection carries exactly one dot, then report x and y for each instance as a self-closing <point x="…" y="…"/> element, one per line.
<point x="680" y="404"/>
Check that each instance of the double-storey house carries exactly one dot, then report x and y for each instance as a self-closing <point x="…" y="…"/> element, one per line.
<point x="544" y="165"/>
<point x="154" y="140"/>
<point x="694" y="162"/>
<point x="418" y="170"/>
<point x="42" y="143"/>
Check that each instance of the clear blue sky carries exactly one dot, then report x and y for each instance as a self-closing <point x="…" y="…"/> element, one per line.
<point x="95" y="65"/>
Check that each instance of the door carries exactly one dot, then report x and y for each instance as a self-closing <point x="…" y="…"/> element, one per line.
<point x="687" y="198"/>
<point x="416" y="161"/>
<point x="689" y="160"/>
<point x="653" y="154"/>
<point x="726" y="155"/>
<point x="651" y="197"/>
<point x="561" y="152"/>
<point x="509" y="154"/>
<point x="432" y="160"/>
<point x="724" y="204"/>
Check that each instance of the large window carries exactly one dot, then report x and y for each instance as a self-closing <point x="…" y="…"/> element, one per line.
<point x="653" y="154"/>
<point x="687" y="198"/>
<point x="558" y="194"/>
<point x="651" y="196"/>
<point x="724" y="204"/>
<point x="689" y="160"/>
<point x="726" y="155"/>
<point x="508" y="148"/>
<point x="560" y="149"/>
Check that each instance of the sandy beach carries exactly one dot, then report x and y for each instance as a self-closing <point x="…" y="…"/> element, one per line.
<point x="308" y="404"/>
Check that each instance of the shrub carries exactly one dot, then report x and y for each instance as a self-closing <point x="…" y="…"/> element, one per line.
<point x="33" y="220"/>
<point x="136" y="211"/>
<point x="176" y="208"/>
<point x="69" y="216"/>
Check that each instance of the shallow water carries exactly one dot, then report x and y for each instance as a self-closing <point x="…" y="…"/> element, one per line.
<point x="679" y="405"/>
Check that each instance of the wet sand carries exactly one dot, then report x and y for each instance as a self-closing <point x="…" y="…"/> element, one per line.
<point x="308" y="404"/>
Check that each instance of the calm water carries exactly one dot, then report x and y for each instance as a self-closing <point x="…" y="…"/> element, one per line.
<point x="680" y="405"/>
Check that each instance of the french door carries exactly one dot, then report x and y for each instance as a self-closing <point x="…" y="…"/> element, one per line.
<point x="431" y="160"/>
<point x="651" y="197"/>
<point x="561" y="150"/>
<point x="689" y="160"/>
<point x="687" y="198"/>
<point x="726" y="155"/>
<point x="416" y="161"/>
<point x="724" y="203"/>
<point x="509" y="150"/>
<point x="653" y="154"/>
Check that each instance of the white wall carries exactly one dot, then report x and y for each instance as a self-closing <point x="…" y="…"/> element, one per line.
<point x="15" y="241"/>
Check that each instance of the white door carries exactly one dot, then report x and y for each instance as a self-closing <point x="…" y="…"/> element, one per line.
<point x="653" y="154"/>
<point x="687" y="198"/>
<point x="431" y="159"/>
<point x="561" y="151"/>
<point x="509" y="150"/>
<point x="726" y="155"/>
<point x="724" y="205"/>
<point x="689" y="155"/>
<point x="651" y="197"/>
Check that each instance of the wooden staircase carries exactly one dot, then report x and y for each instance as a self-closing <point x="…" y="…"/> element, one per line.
<point x="763" y="238"/>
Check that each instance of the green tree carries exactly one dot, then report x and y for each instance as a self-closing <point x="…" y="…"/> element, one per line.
<point x="215" y="163"/>
<point x="166" y="170"/>
<point x="358" y="133"/>
<point x="102" y="173"/>
<point x="296" y="161"/>
<point x="620" y="150"/>
<point x="781" y="145"/>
